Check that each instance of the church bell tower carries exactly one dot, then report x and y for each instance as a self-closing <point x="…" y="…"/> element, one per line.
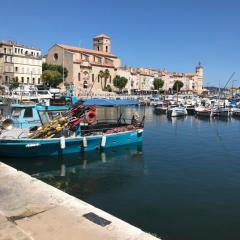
<point x="102" y="43"/>
<point x="199" y="74"/>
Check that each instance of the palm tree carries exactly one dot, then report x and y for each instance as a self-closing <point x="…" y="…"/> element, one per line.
<point x="106" y="76"/>
<point x="101" y="75"/>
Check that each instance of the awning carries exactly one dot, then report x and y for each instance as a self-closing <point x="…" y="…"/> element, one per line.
<point x="109" y="102"/>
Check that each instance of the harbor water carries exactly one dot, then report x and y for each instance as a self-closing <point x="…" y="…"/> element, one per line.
<point x="182" y="182"/>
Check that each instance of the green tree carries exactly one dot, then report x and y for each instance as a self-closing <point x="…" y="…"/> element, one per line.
<point x="177" y="85"/>
<point x="120" y="82"/>
<point x="51" y="78"/>
<point x="14" y="84"/>
<point x="104" y="74"/>
<point x="158" y="83"/>
<point x="101" y="75"/>
<point x="108" y="88"/>
<point x="59" y="68"/>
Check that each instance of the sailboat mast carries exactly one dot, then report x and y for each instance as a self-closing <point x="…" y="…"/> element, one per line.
<point x="177" y="93"/>
<point x="63" y="79"/>
<point x="218" y="93"/>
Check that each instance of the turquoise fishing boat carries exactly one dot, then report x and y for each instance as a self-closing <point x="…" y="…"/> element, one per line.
<point x="31" y="115"/>
<point x="83" y="133"/>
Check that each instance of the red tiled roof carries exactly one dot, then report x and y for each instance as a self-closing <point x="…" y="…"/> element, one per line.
<point x="102" y="36"/>
<point x="84" y="50"/>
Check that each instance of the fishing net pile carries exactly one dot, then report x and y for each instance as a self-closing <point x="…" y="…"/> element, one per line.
<point x="67" y="122"/>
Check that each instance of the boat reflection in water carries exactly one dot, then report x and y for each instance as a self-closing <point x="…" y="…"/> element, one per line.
<point x="86" y="172"/>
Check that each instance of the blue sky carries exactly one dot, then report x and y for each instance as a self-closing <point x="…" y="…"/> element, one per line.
<point x="171" y="34"/>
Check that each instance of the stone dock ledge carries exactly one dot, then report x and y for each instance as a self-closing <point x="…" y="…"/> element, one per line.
<point x="32" y="209"/>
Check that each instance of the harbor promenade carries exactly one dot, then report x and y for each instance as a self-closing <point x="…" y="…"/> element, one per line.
<point x="32" y="209"/>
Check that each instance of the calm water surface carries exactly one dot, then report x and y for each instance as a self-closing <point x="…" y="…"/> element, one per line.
<point x="182" y="182"/>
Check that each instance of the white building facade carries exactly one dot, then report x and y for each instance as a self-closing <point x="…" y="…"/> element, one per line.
<point x="20" y="62"/>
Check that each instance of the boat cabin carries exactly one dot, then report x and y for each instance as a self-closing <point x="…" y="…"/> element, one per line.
<point x="30" y="115"/>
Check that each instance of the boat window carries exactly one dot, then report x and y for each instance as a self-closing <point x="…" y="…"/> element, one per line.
<point x="44" y="117"/>
<point x="16" y="112"/>
<point x="42" y="92"/>
<point x="28" y="113"/>
<point x="53" y="115"/>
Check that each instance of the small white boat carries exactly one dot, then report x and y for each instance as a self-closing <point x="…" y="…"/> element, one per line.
<point x="236" y="112"/>
<point x="161" y="108"/>
<point x="220" y="112"/>
<point x="176" y="111"/>
<point x="203" y="111"/>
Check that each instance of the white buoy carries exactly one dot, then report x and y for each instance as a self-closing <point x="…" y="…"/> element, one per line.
<point x="140" y="130"/>
<point x="62" y="142"/>
<point x="84" y="142"/>
<point x="104" y="140"/>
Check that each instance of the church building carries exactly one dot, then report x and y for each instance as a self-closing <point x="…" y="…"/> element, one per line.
<point x="86" y="66"/>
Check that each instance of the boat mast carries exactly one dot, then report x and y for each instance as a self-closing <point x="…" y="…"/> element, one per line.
<point x="63" y="79"/>
<point x="218" y="93"/>
<point x="177" y="93"/>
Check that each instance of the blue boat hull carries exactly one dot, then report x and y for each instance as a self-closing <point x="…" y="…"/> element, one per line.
<point x="22" y="148"/>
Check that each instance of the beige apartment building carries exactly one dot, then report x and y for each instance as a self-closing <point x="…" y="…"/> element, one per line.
<point x="192" y="82"/>
<point x="20" y="62"/>
<point x="142" y="79"/>
<point x="84" y="65"/>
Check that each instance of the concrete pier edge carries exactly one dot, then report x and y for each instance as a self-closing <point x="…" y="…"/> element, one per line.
<point x="32" y="209"/>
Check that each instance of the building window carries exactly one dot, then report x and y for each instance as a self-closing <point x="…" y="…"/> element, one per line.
<point x="55" y="56"/>
<point x="33" y="81"/>
<point x="27" y="80"/>
<point x="21" y="51"/>
<point x="98" y="48"/>
<point x="92" y="77"/>
<point x="106" y="48"/>
<point x="6" y="79"/>
<point x="17" y="79"/>
<point x="26" y="52"/>
<point x="22" y="79"/>
<point x="16" y="69"/>
<point x="28" y="113"/>
<point x="5" y="50"/>
<point x="15" y="50"/>
<point x="79" y="76"/>
<point x="39" y="81"/>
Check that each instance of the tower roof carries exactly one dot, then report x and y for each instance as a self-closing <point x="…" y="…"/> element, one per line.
<point x="87" y="51"/>
<point x="102" y="36"/>
<point x="199" y="65"/>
